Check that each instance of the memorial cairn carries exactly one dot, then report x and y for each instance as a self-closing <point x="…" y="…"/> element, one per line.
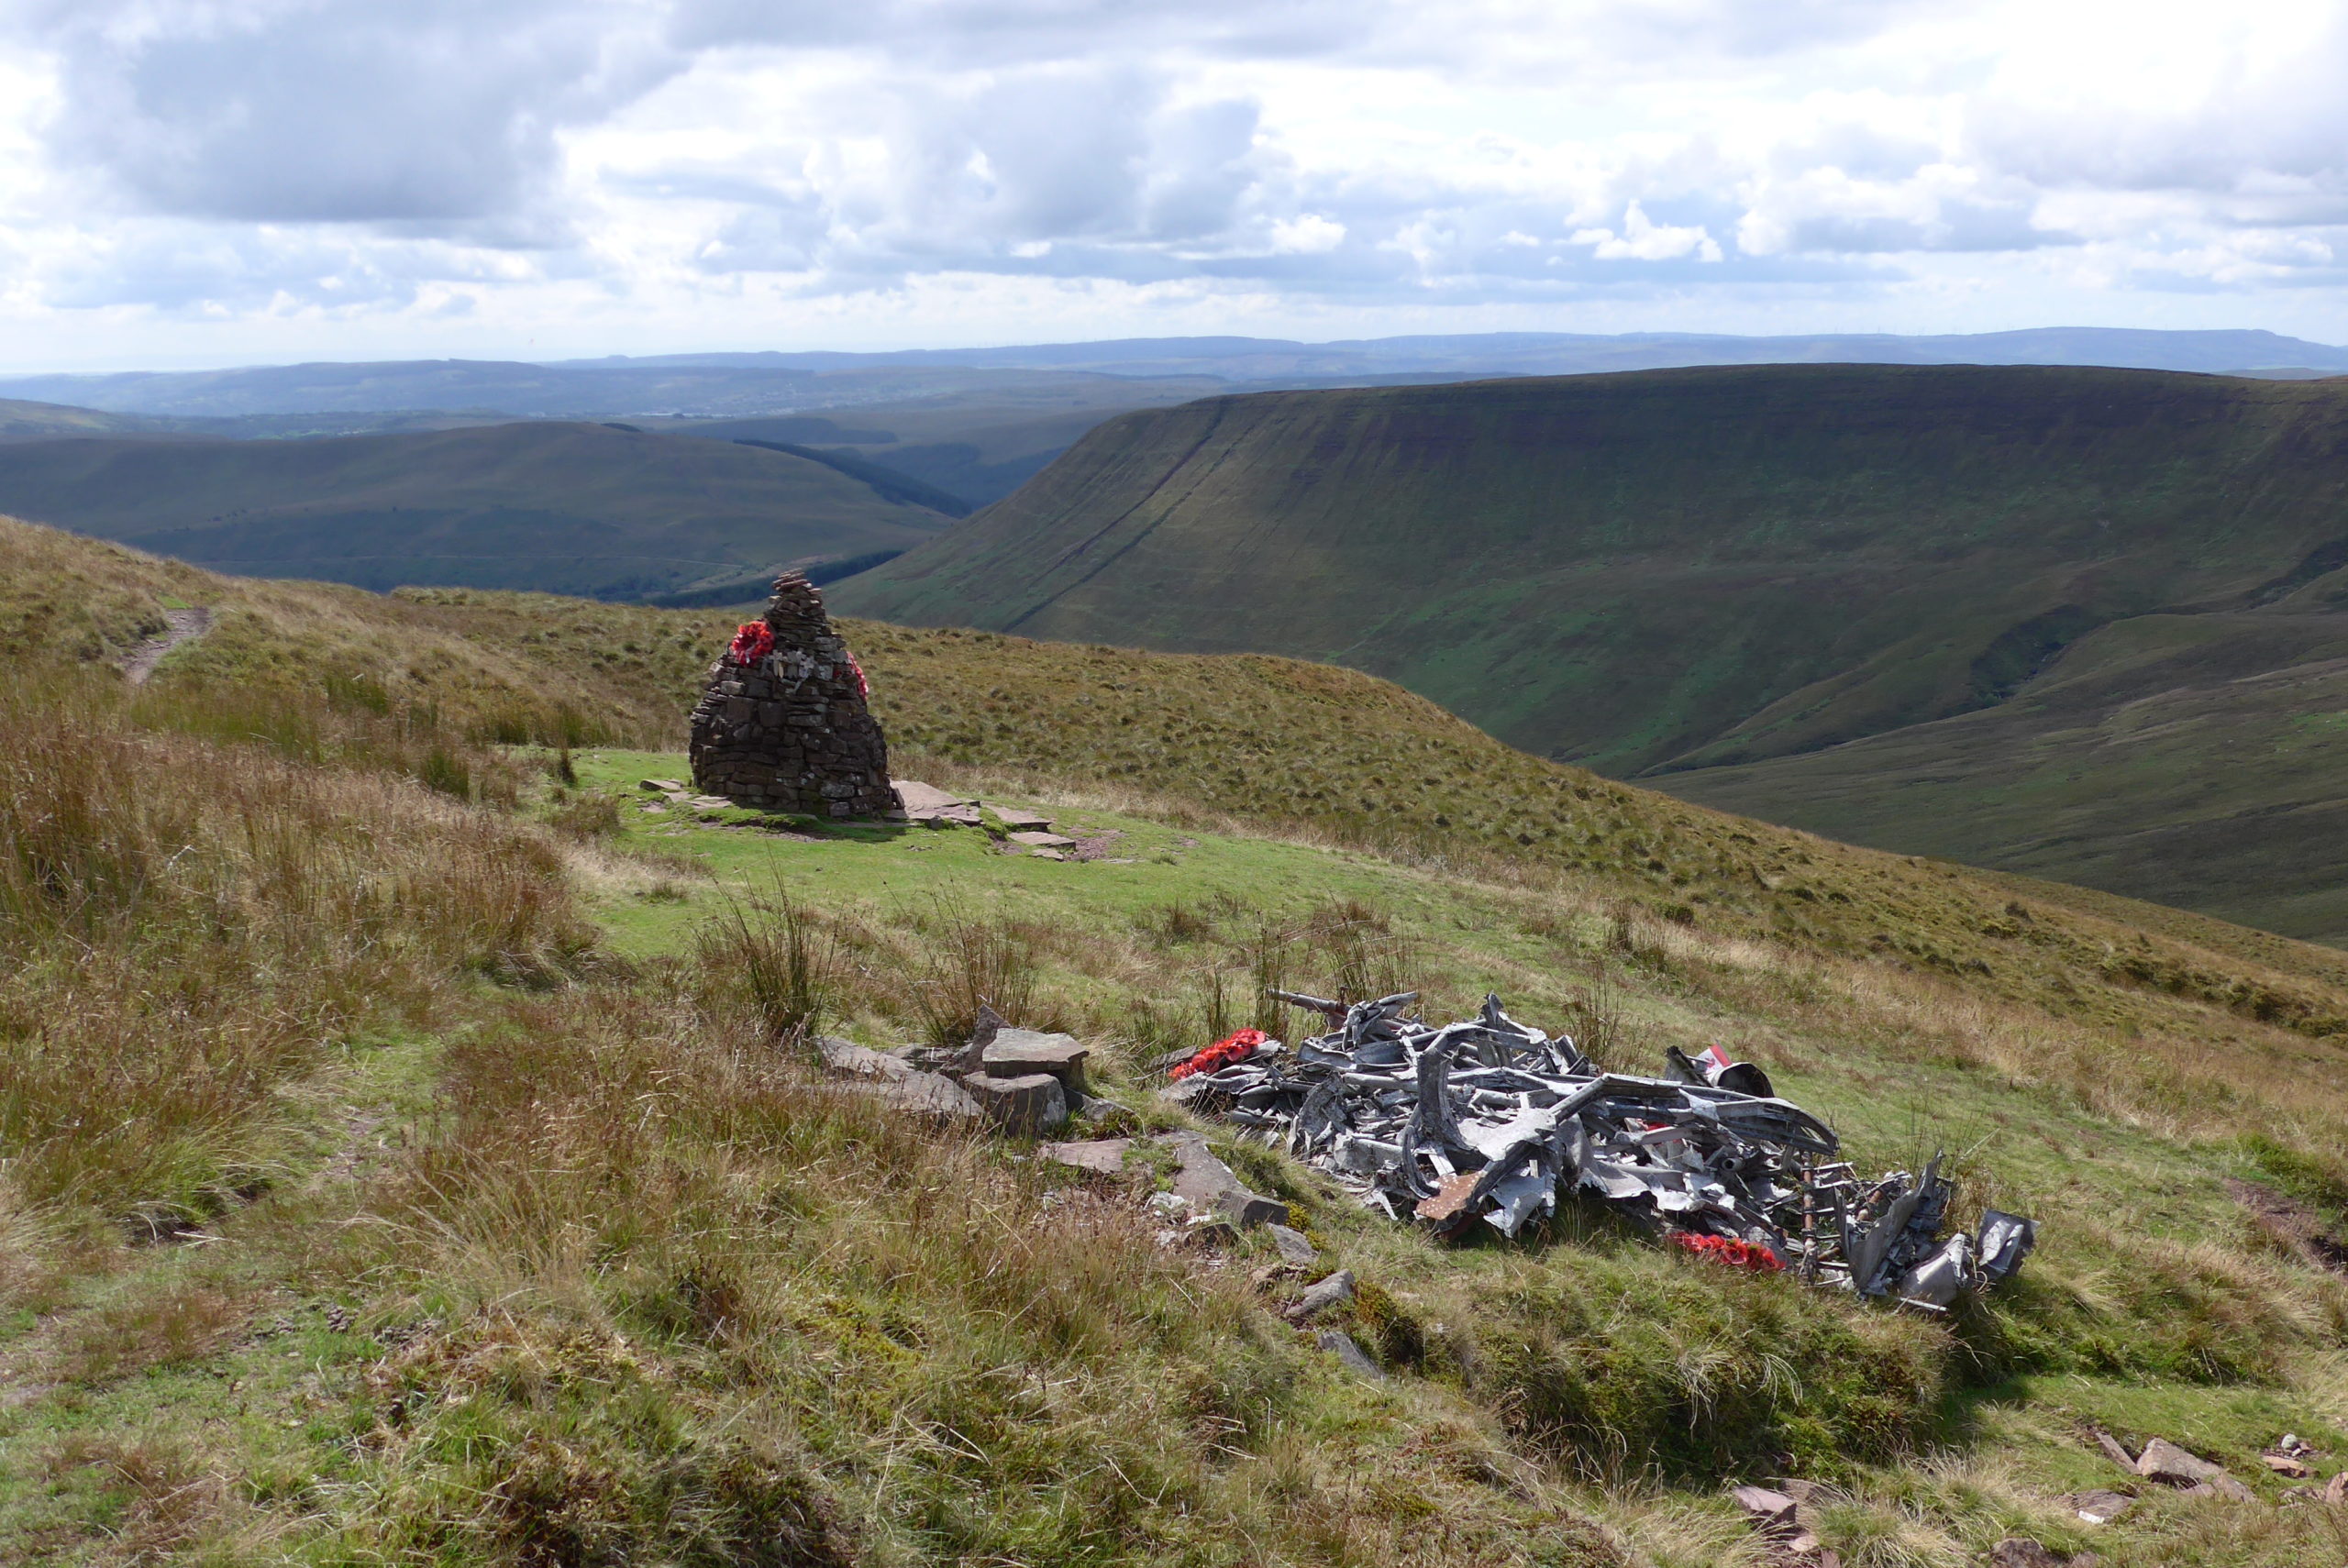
<point x="784" y="725"/>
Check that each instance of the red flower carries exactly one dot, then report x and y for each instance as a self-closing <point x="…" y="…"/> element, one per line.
<point x="752" y="643"/>
<point x="1236" y="1047"/>
<point x="1728" y="1249"/>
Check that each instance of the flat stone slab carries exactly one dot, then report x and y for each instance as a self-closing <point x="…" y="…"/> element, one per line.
<point x="1102" y="1156"/>
<point x="1292" y="1246"/>
<point x="1022" y="822"/>
<point x="1033" y="1102"/>
<point x="1207" y="1184"/>
<point x="919" y="797"/>
<point x="2164" y="1461"/>
<point x="856" y="1062"/>
<point x="1042" y="840"/>
<point x="666" y="786"/>
<point x="947" y="816"/>
<point x="923" y="1094"/>
<point x="1015" y="1051"/>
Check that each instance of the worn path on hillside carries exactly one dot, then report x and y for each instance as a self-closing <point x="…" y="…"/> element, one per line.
<point x="180" y="626"/>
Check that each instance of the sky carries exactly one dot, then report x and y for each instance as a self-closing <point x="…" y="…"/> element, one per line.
<point x="189" y="182"/>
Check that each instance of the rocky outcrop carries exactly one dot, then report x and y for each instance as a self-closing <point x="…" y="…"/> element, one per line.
<point x="784" y="725"/>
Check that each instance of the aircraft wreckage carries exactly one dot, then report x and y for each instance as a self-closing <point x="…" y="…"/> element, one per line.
<point x="1488" y="1120"/>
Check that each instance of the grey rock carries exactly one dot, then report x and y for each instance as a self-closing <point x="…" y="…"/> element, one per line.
<point x="2164" y="1461"/>
<point x="1042" y="840"/>
<point x="918" y="797"/>
<point x="1032" y="1103"/>
<point x="1207" y="1184"/>
<point x="1104" y="1156"/>
<point x="2114" y="1452"/>
<point x="923" y="1094"/>
<point x="2098" y="1506"/>
<point x="1015" y="1051"/>
<point x="1357" y="1360"/>
<point x="1022" y="822"/>
<point x="1292" y="1246"/>
<point x="1334" y="1291"/>
<point x="665" y="786"/>
<point x="853" y="1061"/>
<point x="1091" y="1110"/>
<point x="1764" y="1505"/>
<point x="2222" y="1486"/>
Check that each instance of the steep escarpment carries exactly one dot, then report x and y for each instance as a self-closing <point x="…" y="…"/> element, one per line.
<point x="1666" y="569"/>
<point x="1832" y="595"/>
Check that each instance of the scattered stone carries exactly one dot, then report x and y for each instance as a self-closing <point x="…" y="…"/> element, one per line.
<point x="1102" y="1156"/>
<point x="1013" y="1052"/>
<point x="1292" y="1246"/>
<point x="1022" y="822"/>
<point x="711" y="802"/>
<point x="1767" y="1509"/>
<point x="1034" y="1102"/>
<point x="2286" y="1464"/>
<point x="924" y="1094"/>
<point x="1042" y="840"/>
<point x="783" y="724"/>
<point x="2021" y="1551"/>
<point x="2098" y="1506"/>
<point x="2112" y="1449"/>
<point x="2222" y="1486"/>
<point x="2162" y="1460"/>
<point x="665" y="786"/>
<point x="1207" y="1184"/>
<point x="918" y="797"/>
<point x="1334" y="1291"/>
<point x="1092" y="1111"/>
<point x="1357" y="1360"/>
<point x="2336" y="1489"/>
<point x="853" y="1061"/>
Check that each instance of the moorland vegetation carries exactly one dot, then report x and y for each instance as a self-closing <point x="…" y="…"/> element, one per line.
<point x="410" y="1154"/>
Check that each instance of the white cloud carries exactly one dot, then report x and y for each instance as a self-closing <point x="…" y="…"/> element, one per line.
<point x="560" y="176"/>
<point x="1643" y="239"/>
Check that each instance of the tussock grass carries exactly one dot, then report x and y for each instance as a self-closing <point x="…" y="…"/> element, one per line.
<point x="190" y="927"/>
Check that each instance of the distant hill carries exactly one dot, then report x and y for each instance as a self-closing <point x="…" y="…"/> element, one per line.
<point x="573" y="508"/>
<point x="1672" y="574"/>
<point x="22" y="421"/>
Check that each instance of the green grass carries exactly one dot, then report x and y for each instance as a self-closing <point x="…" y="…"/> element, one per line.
<point x="577" y="1262"/>
<point x="1713" y="579"/>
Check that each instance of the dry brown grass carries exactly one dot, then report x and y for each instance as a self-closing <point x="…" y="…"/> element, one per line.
<point x="190" y="927"/>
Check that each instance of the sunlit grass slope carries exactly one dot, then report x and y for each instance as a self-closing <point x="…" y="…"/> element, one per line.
<point x="1844" y="597"/>
<point x="407" y="1162"/>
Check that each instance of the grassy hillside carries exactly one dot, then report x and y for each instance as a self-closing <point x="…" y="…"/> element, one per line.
<point x="455" y="1200"/>
<point x="2194" y="760"/>
<point x="1669" y="573"/>
<point x="577" y="507"/>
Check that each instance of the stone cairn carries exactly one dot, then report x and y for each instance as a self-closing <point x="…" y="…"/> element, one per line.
<point x="784" y="725"/>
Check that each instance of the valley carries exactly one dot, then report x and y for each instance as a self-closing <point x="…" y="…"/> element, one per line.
<point x="1786" y="590"/>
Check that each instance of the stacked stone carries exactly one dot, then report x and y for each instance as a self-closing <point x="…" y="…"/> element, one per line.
<point x="789" y="730"/>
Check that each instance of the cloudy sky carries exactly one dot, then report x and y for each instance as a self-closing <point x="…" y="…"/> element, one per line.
<point x="219" y="181"/>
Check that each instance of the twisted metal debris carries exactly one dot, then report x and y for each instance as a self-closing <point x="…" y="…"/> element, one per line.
<point x="1487" y="1119"/>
